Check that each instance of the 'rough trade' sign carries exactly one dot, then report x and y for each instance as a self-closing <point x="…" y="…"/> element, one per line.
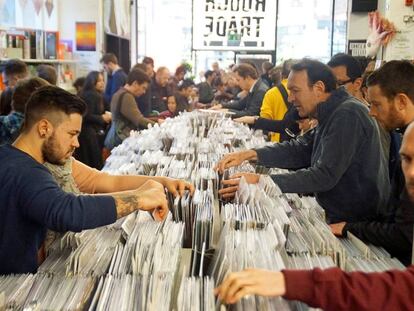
<point x="235" y="25"/>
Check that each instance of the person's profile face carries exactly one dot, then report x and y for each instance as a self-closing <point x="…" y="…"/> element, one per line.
<point x="172" y="104"/>
<point x="342" y="78"/>
<point x="242" y="82"/>
<point x="62" y="142"/>
<point x="303" y="96"/>
<point x="100" y="83"/>
<point x="383" y="109"/>
<point x="149" y="70"/>
<point x="407" y="161"/>
<point x="162" y="78"/>
<point x="107" y="68"/>
<point x="140" y="89"/>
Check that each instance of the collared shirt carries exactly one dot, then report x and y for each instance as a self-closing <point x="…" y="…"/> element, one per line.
<point x="9" y="125"/>
<point x="252" y="87"/>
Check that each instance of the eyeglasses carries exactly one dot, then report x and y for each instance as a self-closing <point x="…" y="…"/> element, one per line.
<point x="341" y="83"/>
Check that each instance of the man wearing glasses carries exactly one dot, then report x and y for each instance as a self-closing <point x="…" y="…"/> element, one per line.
<point x="14" y="70"/>
<point x="340" y="160"/>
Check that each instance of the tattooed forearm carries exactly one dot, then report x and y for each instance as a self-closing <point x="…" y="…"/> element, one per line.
<point x="126" y="203"/>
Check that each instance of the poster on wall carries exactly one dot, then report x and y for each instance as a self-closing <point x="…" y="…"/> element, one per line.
<point x="86" y="62"/>
<point x="86" y="36"/>
<point x="7" y="13"/>
<point x="236" y="25"/>
<point x="402" y="46"/>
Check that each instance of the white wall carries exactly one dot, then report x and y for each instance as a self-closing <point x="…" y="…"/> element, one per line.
<point x="358" y="27"/>
<point x="72" y="11"/>
<point x="27" y="17"/>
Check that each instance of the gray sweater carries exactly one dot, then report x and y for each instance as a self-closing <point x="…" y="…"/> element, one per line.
<point x="341" y="161"/>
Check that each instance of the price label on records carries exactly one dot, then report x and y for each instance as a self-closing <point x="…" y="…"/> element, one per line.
<point x="357" y="47"/>
<point x="236" y="25"/>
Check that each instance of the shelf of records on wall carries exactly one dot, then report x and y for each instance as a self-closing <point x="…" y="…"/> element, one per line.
<point x="139" y="264"/>
<point x="36" y="47"/>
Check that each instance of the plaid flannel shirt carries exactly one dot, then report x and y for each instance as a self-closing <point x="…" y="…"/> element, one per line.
<point x="9" y="125"/>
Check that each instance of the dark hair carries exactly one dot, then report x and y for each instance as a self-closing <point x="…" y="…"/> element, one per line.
<point x="148" y="60"/>
<point x="48" y="73"/>
<point x="79" y="82"/>
<point x="267" y="66"/>
<point x="394" y="77"/>
<point x="49" y="100"/>
<point x="275" y="74"/>
<point x="109" y="58"/>
<point x="316" y="71"/>
<point x="141" y="66"/>
<point x="352" y="65"/>
<point x="287" y="67"/>
<point x="90" y="81"/>
<point x="186" y="83"/>
<point x="218" y="82"/>
<point x="23" y="90"/>
<point x="180" y="69"/>
<point x="137" y="75"/>
<point x="15" y="67"/>
<point x="246" y="70"/>
<point x="363" y="62"/>
<point x="208" y="74"/>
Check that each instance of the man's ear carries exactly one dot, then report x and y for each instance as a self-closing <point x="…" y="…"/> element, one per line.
<point x="319" y="87"/>
<point x="44" y="128"/>
<point x="402" y="101"/>
<point x="357" y="83"/>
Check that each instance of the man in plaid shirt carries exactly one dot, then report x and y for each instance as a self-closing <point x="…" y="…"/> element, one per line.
<point x="11" y="123"/>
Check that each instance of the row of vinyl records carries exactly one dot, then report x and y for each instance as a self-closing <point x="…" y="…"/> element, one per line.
<point x="29" y="44"/>
<point x="139" y="264"/>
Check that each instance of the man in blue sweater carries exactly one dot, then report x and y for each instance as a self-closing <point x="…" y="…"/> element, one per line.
<point x="116" y="77"/>
<point x="340" y="160"/>
<point x="30" y="199"/>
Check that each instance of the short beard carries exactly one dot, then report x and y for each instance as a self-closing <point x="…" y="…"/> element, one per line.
<point x="50" y="150"/>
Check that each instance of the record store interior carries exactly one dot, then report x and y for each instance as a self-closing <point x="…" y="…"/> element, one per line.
<point x="206" y="155"/>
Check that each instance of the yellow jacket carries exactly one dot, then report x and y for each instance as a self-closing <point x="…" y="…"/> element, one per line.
<point x="274" y="107"/>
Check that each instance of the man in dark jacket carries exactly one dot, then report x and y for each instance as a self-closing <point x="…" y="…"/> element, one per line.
<point x="248" y="81"/>
<point x="391" y="92"/>
<point x="205" y="89"/>
<point x="340" y="160"/>
<point x="116" y="77"/>
<point x="160" y="90"/>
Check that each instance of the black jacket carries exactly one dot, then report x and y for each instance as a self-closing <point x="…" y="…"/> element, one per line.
<point x="159" y="95"/>
<point x="205" y="93"/>
<point x="251" y="104"/>
<point x="93" y="131"/>
<point x="340" y="161"/>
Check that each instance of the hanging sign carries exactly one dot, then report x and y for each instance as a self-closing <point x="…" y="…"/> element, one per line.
<point x="237" y="25"/>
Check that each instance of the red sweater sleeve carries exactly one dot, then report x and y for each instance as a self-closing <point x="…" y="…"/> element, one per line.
<point x="334" y="289"/>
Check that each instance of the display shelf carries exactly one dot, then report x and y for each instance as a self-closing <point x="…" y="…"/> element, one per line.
<point x="44" y="61"/>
